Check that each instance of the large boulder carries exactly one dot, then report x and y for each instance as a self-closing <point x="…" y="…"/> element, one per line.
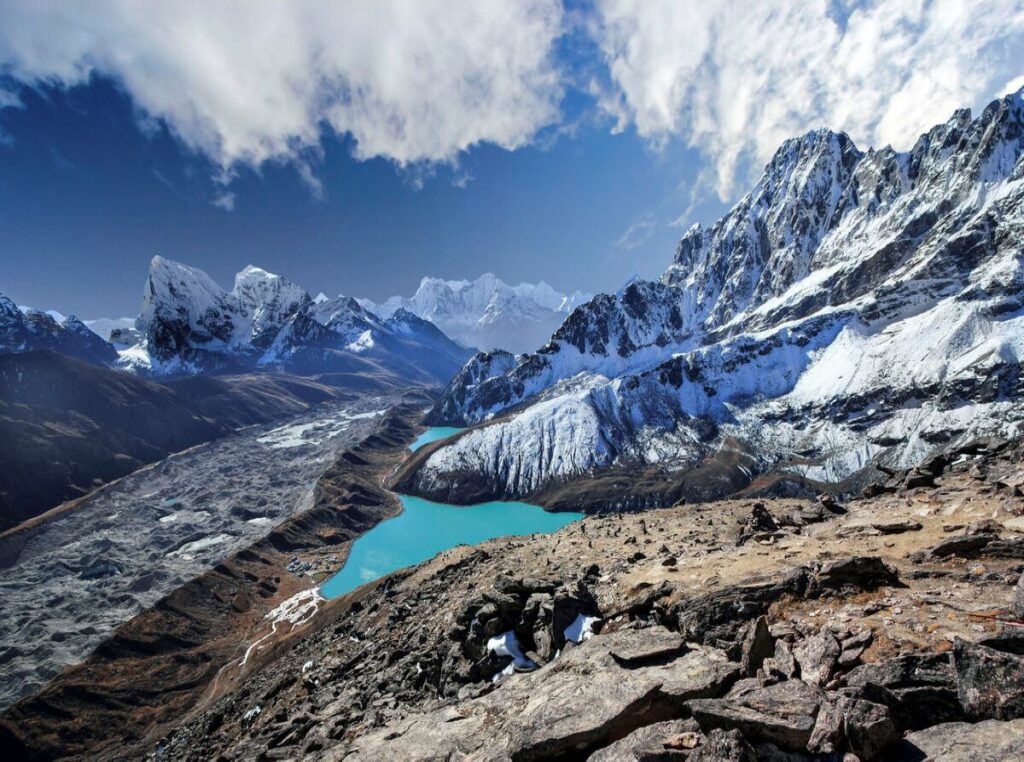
<point x="990" y="682"/>
<point x="817" y="657"/>
<point x="757" y="646"/>
<point x="783" y="714"/>
<point x="919" y="688"/>
<point x="988" y="741"/>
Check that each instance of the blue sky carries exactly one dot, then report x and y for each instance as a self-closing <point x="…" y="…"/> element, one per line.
<point x="87" y="198"/>
<point x="356" y="147"/>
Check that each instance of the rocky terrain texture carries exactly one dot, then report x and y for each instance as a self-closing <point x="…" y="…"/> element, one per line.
<point x="72" y="576"/>
<point x="487" y="313"/>
<point x="188" y="324"/>
<point x="883" y="627"/>
<point x="69" y="426"/>
<point x="34" y="330"/>
<point x="195" y="642"/>
<point x="854" y="306"/>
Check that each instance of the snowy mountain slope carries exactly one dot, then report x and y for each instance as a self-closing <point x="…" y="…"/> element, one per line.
<point x="487" y="312"/>
<point x="27" y="330"/>
<point x="104" y="327"/>
<point x="189" y="324"/>
<point x="853" y="306"/>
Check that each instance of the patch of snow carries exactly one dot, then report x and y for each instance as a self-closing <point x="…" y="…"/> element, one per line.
<point x="260" y="521"/>
<point x="506" y="644"/>
<point x="188" y="550"/>
<point x="582" y="628"/>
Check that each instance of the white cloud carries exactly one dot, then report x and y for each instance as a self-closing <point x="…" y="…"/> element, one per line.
<point x="637" y="234"/>
<point x="246" y="81"/>
<point x="225" y="200"/>
<point x="735" y="78"/>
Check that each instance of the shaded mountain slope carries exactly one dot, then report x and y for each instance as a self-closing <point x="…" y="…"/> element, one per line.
<point x="68" y="426"/>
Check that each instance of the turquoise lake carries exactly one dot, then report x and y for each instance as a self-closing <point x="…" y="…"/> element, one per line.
<point x="432" y="435"/>
<point x="423" y="529"/>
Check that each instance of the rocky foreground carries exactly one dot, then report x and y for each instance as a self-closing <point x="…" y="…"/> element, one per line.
<point x="886" y="627"/>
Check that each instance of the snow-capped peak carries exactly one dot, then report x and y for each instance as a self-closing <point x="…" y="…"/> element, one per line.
<point x="853" y="305"/>
<point x="486" y="312"/>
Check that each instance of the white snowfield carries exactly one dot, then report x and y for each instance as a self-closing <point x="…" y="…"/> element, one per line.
<point x="853" y="306"/>
<point x="487" y="313"/>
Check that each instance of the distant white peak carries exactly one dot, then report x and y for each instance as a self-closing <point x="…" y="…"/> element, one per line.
<point x="253" y="274"/>
<point x="320" y="298"/>
<point x="26" y="310"/>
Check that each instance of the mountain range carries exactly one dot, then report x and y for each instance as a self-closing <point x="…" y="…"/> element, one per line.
<point x="855" y="307"/>
<point x="24" y="329"/>
<point x="487" y="313"/>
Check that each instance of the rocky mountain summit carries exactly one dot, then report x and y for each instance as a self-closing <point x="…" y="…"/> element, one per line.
<point x="885" y="627"/>
<point x="854" y="307"/>
<point x="487" y="313"/>
<point x="34" y="330"/>
<point x="189" y="324"/>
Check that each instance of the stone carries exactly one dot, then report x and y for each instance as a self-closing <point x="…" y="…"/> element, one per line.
<point x="716" y="618"/>
<point x="896" y="526"/>
<point x="965" y="546"/>
<point x="860" y="572"/>
<point x="1018" y="598"/>
<point x="917" y="478"/>
<point x="724" y="746"/>
<point x="919" y="688"/>
<point x="757" y="646"/>
<point x="783" y="714"/>
<point x="988" y="741"/>
<point x="853" y="646"/>
<point x="670" y="740"/>
<point x="817" y="657"/>
<point x="867" y="726"/>
<point x="990" y="683"/>
<point x="783" y="660"/>
<point x="828" y="734"/>
<point x="654" y="644"/>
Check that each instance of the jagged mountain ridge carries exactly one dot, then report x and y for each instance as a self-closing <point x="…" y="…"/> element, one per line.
<point x="28" y="330"/>
<point x="189" y="324"/>
<point x="853" y="306"/>
<point x="487" y="313"/>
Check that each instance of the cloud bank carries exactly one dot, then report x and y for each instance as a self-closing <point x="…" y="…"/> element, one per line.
<point x="736" y="78"/>
<point x="420" y="81"/>
<point x="247" y="81"/>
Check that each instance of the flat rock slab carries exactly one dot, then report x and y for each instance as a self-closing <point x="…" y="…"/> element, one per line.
<point x="657" y="643"/>
<point x="575" y="703"/>
<point x="989" y="741"/>
<point x="783" y="714"/>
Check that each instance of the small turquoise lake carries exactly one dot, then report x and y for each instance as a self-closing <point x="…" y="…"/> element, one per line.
<point x="423" y="529"/>
<point x="432" y="435"/>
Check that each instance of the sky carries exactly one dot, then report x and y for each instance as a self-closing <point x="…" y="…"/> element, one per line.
<point x="357" y="147"/>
